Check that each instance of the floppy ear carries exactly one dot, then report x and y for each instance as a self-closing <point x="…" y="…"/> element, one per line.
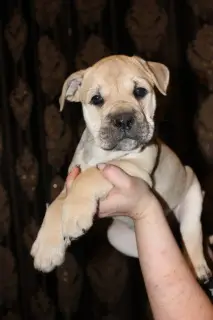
<point x="70" y="90"/>
<point x="157" y="72"/>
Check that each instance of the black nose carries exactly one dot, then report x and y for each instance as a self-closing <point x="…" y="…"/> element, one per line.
<point x="124" y="121"/>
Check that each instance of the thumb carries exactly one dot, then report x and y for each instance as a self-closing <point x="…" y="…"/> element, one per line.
<point x="72" y="176"/>
<point x="117" y="176"/>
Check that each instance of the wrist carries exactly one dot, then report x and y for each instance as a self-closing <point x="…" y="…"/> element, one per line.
<point x="145" y="211"/>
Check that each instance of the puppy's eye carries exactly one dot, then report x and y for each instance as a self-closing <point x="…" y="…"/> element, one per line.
<point x="97" y="100"/>
<point x="140" y="92"/>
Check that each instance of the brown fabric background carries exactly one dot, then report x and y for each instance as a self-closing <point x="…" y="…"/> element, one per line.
<point x="42" y="41"/>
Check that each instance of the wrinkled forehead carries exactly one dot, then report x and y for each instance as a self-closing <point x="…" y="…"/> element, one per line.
<point x="112" y="76"/>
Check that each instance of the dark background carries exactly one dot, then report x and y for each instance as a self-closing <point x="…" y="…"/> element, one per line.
<point x="42" y="42"/>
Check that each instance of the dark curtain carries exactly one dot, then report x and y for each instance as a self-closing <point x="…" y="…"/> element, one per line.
<point x="43" y="41"/>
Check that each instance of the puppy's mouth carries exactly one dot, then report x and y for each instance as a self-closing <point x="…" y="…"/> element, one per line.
<point x="115" y="140"/>
<point x="125" y="144"/>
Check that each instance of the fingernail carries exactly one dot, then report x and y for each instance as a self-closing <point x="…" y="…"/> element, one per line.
<point x="101" y="166"/>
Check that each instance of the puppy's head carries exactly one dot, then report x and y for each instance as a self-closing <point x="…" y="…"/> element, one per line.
<point x="118" y="99"/>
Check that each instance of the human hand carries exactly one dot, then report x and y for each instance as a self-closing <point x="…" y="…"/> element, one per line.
<point x="72" y="175"/>
<point x="130" y="196"/>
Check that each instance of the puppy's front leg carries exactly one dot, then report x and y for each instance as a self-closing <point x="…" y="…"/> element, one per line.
<point x="81" y="202"/>
<point x="80" y="205"/>
<point x="48" y="250"/>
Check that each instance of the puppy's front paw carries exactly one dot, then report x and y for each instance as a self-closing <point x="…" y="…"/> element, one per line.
<point x="202" y="270"/>
<point x="77" y="218"/>
<point x="48" y="250"/>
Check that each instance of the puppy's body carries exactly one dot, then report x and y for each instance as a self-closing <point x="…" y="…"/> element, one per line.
<point x="118" y="105"/>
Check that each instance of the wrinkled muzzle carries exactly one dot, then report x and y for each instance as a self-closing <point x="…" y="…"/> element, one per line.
<point x="125" y="130"/>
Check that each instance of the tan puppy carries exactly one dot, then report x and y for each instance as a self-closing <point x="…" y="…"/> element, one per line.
<point x="118" y="99"/>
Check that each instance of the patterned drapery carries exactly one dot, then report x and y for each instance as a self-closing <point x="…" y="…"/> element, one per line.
<point x="42" y="41"/>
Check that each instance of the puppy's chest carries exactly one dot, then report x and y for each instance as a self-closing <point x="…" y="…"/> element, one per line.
<point x="91" y="158"/>
<point x="91" y="162"/>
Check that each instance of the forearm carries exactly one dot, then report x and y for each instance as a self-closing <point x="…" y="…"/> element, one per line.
<point x="173" y="292"/>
